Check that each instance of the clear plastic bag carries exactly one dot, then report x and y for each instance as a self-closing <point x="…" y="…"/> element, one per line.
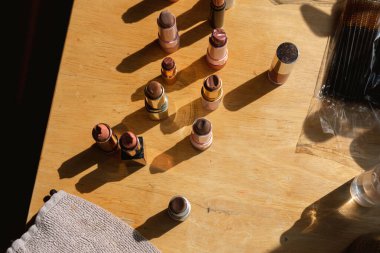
<point x="343" y="122"/>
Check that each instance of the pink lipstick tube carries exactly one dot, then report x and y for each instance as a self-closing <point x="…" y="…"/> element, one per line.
<point x="201" y="139"/>
<point x="168" y="37"/>
<point x="217" y="52"/>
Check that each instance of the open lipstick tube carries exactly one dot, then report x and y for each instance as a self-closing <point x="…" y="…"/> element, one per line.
<point x="168" y="70"/>
<point x="105" y="139"/>
<point x="156" y="101"/>
<point x="212" y="92"/>
<point x="179" y="208"/>
<point x="132" y="149"/>
<point x="201" y="134"/>
<point x="217" y="9"/>
<point x="283" y="63"/>
<point x="168" y="37"/>
<point x="217" y="52"/>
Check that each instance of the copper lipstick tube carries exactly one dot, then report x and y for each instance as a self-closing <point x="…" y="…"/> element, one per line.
<point x="169" y="73"/>
<point x="283" y="63"/>
<point x="168" y="38"/>
<point x="109" y="145"/>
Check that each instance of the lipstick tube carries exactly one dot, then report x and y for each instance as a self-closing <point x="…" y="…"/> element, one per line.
<point x="217" y="52"/>
<point x="132" y="150"/>
<point x="168" y="70"/>
<point x="217" y="9"/>
<point x="104" y="137"/>
<point x="156" y="102"/>
<point x="168" y="37"/>
<point x="201" y="134"/>
<point x="179" y="208"/>
<point x="283" y="63"/>
<point x="212" y="92"/>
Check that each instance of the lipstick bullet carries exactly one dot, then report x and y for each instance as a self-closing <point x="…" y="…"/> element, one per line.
<point x="156" y="101"/>
<point x="105" y="138"/>
<point x="201" y="134"/>
<point x="217" y="8"/>
<point x="212" y="92"/>
<point x="168" y="70"/>
<point x="283" y="63"/>
<point x="132" y="149"/>
<point x="179" y="208"/>
<point x="168" y="37"/>
<point x="217" y="52"/>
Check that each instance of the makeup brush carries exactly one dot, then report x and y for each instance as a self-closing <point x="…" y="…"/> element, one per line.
<point x="349" y="71"/>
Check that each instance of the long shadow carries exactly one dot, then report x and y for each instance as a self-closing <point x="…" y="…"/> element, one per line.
<point x="155" y="226"/>
<point x="248" y="92"/>
<point x="111" y="171"/>
<point x="329" y="224"/>
<point x="81" y="162"/>
<point x="152" y="52"/>
<point x="110" y="168"/>
<point x="184" y="116"/>
<point x="138" y="122"/>
<point x="195" y="71"/>
<point x="144" y="9"/>
<point x="180" y="152"/>
<point x="199" y="12"/>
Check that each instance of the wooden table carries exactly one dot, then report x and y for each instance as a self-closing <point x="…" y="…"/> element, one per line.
<point x="250" y="192"/>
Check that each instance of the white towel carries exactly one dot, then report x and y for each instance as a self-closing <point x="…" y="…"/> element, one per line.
<point x="67" y="223"/>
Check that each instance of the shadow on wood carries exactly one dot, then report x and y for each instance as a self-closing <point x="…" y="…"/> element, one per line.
<point x="152" y="52"/>
<point x="184" y="116"/>
<point x="155" y="226"/>
<point x="180" y="152"/>
<point x="144" y="9"/>
<point x="335" y="215"/>
<point x="248" y="92"/>
<point x="195" y="71"/>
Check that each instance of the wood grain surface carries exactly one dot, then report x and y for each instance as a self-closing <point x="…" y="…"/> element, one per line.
<point x="250" y="191"/>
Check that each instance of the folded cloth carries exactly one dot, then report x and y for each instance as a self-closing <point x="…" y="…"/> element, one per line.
<point x="67" y="223"/>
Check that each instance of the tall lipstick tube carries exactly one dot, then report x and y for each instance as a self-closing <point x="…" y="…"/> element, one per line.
<point x="283" y="63"/>
<point x="217" y="52"/>
<point x="168" y="37"/>
<point x="217" y="9"/>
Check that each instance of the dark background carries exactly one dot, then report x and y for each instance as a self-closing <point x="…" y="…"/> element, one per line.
<point x="35" y="31"/>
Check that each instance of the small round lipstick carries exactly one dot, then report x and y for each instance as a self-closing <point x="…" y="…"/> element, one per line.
<point x="217" y="52"/>
<point x="212" y="92"/>
<point x="156" y="101"/>
<point x="168" y="70"/>
<point x="179" y="208"/>
<point x="105" y="138"/>
<point x="283" y="63"/>
<point x="132" y="149"/>
<point x="217" y="9"/>
<point x="201" y="134"/>
<point x="167" y="32"/>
